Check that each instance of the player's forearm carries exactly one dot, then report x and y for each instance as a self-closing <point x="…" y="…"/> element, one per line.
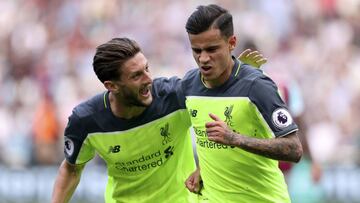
<point x="66" y="183"/>
<point x="285" y="148"/>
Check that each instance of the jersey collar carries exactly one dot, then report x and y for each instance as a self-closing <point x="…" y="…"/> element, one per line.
<point x="234" y="73"/>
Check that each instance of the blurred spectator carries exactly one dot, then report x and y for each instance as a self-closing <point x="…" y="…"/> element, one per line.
<point x="47" y="49"/>
<point x="45" y="132"/>
<point x="316" y="42"/>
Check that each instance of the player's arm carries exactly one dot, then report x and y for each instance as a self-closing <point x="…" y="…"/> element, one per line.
<point x="253" y="58"/>
<point x="286" y="145"/>
<point x="66" y="182"/>
<point x="194" y="182"/>
<point x="286" y="148"/>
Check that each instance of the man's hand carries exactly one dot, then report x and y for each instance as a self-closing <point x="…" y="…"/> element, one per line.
<point x="219" y="132"/>
<point x="194" y="182"/>
<point x="253" y="58"/>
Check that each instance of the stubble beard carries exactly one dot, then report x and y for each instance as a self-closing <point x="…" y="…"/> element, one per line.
<point x="132" y="99"/>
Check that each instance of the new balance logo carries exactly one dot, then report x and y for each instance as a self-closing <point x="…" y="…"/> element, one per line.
<point x="193" y="113"/>
<point x="114" y="149"/>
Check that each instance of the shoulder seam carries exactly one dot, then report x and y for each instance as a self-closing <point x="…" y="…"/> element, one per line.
<point x="252" y="85"/>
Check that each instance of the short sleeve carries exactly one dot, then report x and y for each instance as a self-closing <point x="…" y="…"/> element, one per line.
<point x="264" y="94"/>
<point x="171" y="87"/>
<point x="76" y="148"/>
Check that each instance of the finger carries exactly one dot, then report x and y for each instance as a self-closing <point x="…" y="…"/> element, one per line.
<point x="244" y="53"/>
<point x="212" y="135"/>
<point x="211" y="130"/>
<point x="189" y="184"/>
<point x="214" y="129"/>
<point x="213" y="138"/>
<point x="257" y="57"/>
<point x="210" y="124"/>
<point x="252" y="54"/>
<point x="189" y="180"/>
<point x="191" y="189"/>
<point x="261" y="61"/>
<point x="214" y="117"/>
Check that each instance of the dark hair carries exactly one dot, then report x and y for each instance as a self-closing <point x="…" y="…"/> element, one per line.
<point x="109" y="57"/>
<point x="211" y="16"/>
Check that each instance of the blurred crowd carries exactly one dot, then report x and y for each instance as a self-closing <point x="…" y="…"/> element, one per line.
<point x="47" y="48"/>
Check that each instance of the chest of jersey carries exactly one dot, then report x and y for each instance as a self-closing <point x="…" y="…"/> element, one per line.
<point x="228" y="168"/>
<point x="143" y="148"/>
<point x="239" y="113"/>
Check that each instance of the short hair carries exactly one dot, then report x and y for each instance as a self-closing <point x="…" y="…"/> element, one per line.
<point x="211" y="16"/>
<point x="109" y="57"/>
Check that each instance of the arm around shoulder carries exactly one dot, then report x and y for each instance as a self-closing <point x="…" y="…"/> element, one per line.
<point x="66" y="182"/>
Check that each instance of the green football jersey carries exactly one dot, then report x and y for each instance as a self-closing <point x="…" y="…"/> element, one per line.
<point x="148" y="158"/>
<point x="248" y="102"/>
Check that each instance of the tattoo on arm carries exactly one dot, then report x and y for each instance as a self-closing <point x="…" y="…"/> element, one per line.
<point x="286" y="148"/>
<point x="231" y="138"/>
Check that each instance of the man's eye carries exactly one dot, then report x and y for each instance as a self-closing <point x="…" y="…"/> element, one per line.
<point x="211" y="50"/>
<point x="136" y="76"/>
<point x="198" y="51"/>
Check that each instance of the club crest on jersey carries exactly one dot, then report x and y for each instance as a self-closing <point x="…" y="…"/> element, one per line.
<point x="69" y="146"/>
<point x="227" y="114"/>
<point x="164" y="132"/>
<point x="281" y="118"/>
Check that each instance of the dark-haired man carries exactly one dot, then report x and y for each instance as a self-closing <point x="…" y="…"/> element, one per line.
<point x="242" y="126"/>
<point x="139" y="127"/>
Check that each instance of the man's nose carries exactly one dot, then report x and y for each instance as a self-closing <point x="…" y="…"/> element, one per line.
<point x="203" y="57"/>
<point x="148" y="77"/>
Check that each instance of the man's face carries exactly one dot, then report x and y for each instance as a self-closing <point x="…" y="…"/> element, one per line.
<point x="212" y="53"/>
<point x="135" y="82"/>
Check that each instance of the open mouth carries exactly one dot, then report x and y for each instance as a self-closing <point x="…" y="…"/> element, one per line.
<point x="145" y="92"/>
<point x="205" y="69"/>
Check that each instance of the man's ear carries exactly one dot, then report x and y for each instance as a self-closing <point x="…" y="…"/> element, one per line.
<point x="232" y="42"/>
<point x="111" y="86"/>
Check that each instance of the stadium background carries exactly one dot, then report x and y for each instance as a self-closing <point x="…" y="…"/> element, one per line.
<point x="45" y="70"/>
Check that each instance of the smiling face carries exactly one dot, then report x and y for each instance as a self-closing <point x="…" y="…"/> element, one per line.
<point x="134" y="85"/>
<point x="212" y="53"/>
